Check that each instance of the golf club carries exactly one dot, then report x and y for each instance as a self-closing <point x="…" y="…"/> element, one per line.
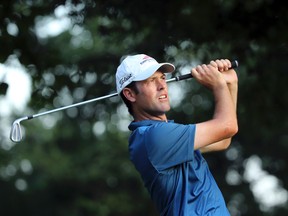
<point x="16" y="134"/>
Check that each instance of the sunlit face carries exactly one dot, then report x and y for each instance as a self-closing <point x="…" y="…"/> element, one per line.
<point x="152" y="101"/>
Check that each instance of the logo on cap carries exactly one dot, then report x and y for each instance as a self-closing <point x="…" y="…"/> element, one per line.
<point x="124" y="79"/>
<point x="146" y="58"/>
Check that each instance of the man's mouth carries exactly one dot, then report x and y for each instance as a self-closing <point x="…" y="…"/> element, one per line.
<point x="163" y="97"/>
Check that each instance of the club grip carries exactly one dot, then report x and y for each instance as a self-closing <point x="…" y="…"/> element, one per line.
<point x="234" y="64"/>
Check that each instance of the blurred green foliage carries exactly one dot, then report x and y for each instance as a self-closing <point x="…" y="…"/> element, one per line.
<point x="79" y="165"/>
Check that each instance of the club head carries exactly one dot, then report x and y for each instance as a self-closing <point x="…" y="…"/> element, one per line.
<point x="15" y="133"/>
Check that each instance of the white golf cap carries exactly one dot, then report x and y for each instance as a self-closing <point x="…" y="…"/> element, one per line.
<point x="138" y="67"/>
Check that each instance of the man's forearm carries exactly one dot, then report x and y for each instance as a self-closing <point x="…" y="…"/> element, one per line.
<point x="233" y="88"/>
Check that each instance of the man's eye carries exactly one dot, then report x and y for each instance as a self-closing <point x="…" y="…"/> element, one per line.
<point x="152" y="79"/>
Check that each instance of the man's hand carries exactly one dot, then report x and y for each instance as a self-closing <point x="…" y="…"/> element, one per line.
<point x="209" y="76"/>
<point x="223" y="66"/>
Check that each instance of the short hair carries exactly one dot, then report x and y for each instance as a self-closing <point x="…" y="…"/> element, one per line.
<point x="133" y="87"/>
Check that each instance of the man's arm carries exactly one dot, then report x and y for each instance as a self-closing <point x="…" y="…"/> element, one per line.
<point x="232" y="83"/>
<point x="216" y="133"/>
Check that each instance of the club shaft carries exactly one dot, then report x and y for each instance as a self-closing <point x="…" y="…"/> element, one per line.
<point x="72" y="105"/>
<point x="177" y="78"/>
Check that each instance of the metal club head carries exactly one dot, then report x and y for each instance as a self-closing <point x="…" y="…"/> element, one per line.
<point x="15" y="133"/>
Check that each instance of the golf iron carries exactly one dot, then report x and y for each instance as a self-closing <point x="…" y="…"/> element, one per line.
<point x="16" y="134"/>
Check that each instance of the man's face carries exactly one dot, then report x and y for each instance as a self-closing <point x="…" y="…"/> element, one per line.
<point x="152" y="101"/>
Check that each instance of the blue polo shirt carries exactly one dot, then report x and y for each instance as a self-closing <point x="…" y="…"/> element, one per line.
<point x="177" y="177"/>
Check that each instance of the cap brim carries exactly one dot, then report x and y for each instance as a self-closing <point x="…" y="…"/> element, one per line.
<point x="166" y="68"/>
<point x="163" y="67"/>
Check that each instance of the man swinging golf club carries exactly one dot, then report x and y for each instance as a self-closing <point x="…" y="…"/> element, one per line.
<point x="168" y="154"/>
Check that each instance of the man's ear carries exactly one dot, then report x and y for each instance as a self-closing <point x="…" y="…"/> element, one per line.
<point x="129" y="94"/>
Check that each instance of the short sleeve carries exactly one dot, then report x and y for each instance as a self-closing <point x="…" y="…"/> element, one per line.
<point x="169" y="144"/>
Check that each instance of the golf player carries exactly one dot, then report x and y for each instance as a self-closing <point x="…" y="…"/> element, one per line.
<point x="168" y="155"/>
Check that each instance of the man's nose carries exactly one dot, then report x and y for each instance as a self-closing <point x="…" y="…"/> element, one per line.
<point x="161" y="84"/>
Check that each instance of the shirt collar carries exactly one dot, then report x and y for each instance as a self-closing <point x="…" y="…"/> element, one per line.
<point x="134" y="125"/>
